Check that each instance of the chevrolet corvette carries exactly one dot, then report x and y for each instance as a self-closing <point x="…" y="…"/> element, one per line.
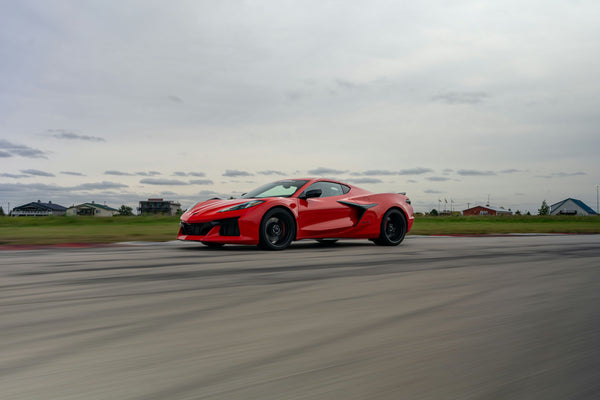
<point x="278" y="213"/>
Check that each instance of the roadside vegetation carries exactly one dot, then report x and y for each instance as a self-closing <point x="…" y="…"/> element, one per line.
<point x="57" y="230"/>
<point x="486" y="225"/>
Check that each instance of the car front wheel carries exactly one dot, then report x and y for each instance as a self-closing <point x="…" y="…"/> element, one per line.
<point x="277" y="229"/>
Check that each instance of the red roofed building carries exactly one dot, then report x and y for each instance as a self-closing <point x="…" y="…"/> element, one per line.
<point x="486" y="210"/>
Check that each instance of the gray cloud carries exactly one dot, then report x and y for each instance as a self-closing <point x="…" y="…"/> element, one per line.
<point x="64" y="134"/>
<point x="510" y="171"/>
<point x="472" y="172"/>
<point x="567" y="174"/>
<point x="196" y="174"/>
<point x="72" y="173"/>
<point x="33" y="188"/>
<point x="385" y="172"/>
<point x="326" y="171"/>
<point x="117" y="173"/>
<point x="4" y="154"/>
<point x="271" y="172"/>
<point x="208" y="193"/>
<point x="39" y="189"/>
<point x="36" y="172"/>
<point x="345" y="84"/>
<point x="175" y="99"/>
<point x="21" y="150"/>
<point x="201" y="182"/>
<point x="99" y="186"/>
<point x="5" y="175"/>
<point x="149" y="173"/>
<point x="561" y="175"/>
<point x="165" y="182"/>
<point x="294" y="95"/>
<point x="364" y="180"/>
<point x="234" y="173"/>
<point x="431" y="191"/>
<point x="414" y="171"/>
<point x="378" y="172"/>
<point x="438" y="179"/>
<point x="461" y="97"/>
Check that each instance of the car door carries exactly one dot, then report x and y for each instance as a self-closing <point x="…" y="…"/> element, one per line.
<point x="323" y="216"/>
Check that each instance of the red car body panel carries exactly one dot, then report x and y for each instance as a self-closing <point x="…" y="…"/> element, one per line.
<point x="356" y="214"/>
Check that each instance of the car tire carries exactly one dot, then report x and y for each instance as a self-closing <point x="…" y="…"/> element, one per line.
<point x="277" y="229"/>
<point x="393" y="228"/>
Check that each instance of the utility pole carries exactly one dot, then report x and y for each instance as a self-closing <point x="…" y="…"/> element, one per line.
<point x="597" y="200"/>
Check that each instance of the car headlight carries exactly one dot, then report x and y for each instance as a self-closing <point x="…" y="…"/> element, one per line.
<point x="243" y="206"/>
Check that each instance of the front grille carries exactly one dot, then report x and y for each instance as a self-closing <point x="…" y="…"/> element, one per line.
<point x="196" y="229"/>
<point x="229" y="227"/>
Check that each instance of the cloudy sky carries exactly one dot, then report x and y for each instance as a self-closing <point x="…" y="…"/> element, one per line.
<point x="118" y="101"/>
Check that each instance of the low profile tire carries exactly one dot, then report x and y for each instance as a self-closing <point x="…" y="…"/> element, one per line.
<point x="213" y="245"/>
<point x="393" y="228"/>
<point x="277" y="229"/>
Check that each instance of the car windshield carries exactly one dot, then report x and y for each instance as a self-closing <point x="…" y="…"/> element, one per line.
<point x="276" y="189"/>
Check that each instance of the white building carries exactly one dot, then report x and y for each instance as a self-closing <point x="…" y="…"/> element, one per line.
<point x="571" y="207"/>
<point x="91" y="209"/>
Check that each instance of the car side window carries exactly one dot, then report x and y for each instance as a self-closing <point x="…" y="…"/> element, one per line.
<point x="328" y="189"/>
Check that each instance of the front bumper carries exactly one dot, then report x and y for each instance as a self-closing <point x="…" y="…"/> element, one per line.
<point x="228" y="230"/>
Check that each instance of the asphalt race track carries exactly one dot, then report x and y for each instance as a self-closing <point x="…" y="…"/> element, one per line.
<point x="436" y="318"/>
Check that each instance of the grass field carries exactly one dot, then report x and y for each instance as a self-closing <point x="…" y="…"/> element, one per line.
<point x="56" y="230"/>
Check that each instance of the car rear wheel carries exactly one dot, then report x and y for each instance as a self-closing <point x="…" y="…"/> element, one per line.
<point x="277" y="229"/>
<point x="393" y="228"/>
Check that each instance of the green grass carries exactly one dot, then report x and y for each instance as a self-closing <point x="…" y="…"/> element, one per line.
<point x="56" y="230"/>
<point x="480" y="225"/>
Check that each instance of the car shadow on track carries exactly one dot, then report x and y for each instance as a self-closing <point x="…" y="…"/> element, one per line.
<point x="303" y="244"/>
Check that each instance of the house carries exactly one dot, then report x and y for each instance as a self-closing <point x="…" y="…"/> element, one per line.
<point x="92" y="209"/>
<point x="486" y="210"/>
<point x="38" y="209"/>
<point x="571" y="207"/>
<point x="159" y="206"/>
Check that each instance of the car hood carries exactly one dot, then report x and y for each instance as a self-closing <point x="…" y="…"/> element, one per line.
<point x="210" y="206"/>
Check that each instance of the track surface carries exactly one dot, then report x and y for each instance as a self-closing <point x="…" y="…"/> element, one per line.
<point x="436" y="318"/>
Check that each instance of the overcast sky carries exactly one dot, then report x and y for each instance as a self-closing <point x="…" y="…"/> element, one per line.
<point x="118" y="101"/>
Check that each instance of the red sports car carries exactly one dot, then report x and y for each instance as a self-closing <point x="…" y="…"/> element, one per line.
<point x="276" y="214"/>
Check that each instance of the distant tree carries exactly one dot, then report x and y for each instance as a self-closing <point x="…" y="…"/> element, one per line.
<point x="179" y="212"/>
<point x="544" y="209"/>
<point x="2" y="212"/>
<point x="434" y="212"/>
<point x="518" y="212"/>
<point x="528" y="213"/>
<point x="125" y="210"/>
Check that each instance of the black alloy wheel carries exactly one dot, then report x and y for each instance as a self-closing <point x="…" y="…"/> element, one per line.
<point x="393" y="228"/>
<point x="277" y="229"/>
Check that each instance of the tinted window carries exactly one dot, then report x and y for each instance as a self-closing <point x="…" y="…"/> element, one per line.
<point x="328" y="189"/>
<point x="276" y="189"/>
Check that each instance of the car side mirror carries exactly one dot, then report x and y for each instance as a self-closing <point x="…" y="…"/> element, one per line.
<point x="309" y="194"/>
